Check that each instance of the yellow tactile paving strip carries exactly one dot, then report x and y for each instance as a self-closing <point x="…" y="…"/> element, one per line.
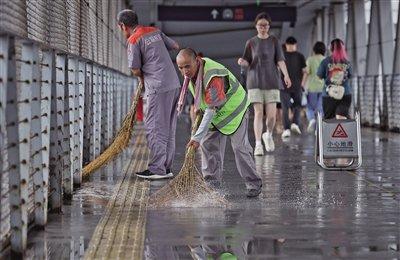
<point x="121" y="231"/>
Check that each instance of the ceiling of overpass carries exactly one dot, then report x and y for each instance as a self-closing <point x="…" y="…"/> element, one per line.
<point x="224" y="41"/>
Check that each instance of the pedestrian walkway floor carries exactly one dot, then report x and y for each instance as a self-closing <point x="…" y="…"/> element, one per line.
<point x="304" y="212"/>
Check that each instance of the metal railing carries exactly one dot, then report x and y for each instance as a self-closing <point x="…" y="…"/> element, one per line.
<point x="377" y="99"/>
<point x="64" y="90"/>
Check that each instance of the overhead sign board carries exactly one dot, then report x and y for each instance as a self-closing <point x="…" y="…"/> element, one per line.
<point x="242" y="13"/>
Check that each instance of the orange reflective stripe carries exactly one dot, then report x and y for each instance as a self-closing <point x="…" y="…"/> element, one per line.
<point x="140" y="32"/>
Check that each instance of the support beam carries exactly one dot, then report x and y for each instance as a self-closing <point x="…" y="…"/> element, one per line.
<point x="68" y="141"/>
<point x="18" y="117"/>
<point x="37" y="145"/>
<point x="110" y="108"/>
<point x="4" y="167"/>
<point x="104" y="112"/>
<point x="80" y="91"/>
<point x="339" y="28"/>
<point x="89" y="115"/>
<point x="286" y="31"/>
<point x="325" y="25"/>
<point x="394" y="118"/>
<point x="396" y="61"/>
<point x="372" y="68"/>
<point x="319" y="27"/>
<point x="356" y="44"/>
<point x="360" y="36"/>
<point x="386" y="35"/>
<point x="56" y="132"/>
<point x="42" y="180"/>
<point x="97" y="79"/>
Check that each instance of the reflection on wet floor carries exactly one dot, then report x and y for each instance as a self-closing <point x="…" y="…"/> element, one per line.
<point x="67" y="235"/>
<point x="303" y="212"/>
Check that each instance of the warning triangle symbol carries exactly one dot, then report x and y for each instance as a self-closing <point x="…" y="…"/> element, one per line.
<point x="339" y="132"/>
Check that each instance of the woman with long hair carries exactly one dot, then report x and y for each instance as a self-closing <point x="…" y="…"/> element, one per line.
<point x="336" y="71"/>
<point x="262" y="56"/>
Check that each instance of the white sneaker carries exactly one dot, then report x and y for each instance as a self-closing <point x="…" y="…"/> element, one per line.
<point x="295" y="128"/>
<point x="258" y="150"/>
<point x="286" y="133"/>
<point x="268" y="142"/>
<point x="311" y="126"/>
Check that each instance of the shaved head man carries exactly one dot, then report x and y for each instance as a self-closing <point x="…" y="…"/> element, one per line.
<point x="219" y="95"/>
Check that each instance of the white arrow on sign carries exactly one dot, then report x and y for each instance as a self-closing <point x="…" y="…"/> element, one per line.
<point x="214" y="13"/>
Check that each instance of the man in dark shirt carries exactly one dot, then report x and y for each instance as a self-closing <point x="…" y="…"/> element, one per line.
<point x="296" y="66"/>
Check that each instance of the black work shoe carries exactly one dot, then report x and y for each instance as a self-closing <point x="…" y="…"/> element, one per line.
<point x="212" y="182"/>
<point x="152" y="176"/>
<point x="251" y="193"/>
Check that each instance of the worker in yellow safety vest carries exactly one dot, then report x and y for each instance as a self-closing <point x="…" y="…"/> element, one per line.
<point x="223" y="100"/>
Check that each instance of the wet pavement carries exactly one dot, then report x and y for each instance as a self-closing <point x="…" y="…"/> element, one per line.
<point x="304" y="212"/>
<point x="67" y="235"/>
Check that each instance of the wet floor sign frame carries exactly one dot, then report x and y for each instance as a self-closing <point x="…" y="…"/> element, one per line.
<point x="338" y="143"/>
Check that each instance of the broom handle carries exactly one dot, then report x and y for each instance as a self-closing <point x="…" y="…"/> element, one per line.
<point x="137" y="95"/>
<point x="136" y="99"/>
<point x="195" y="126"/>
<point x="197" y="122"/>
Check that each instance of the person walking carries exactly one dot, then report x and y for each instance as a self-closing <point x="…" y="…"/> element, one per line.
<point x="313" y="85"/>
<point x="223" y="100"/>
<point x="296" y="66"/>
<point x="262" y="56"/>
<point x="149" y="60"/>
<point x="336" y="71"/>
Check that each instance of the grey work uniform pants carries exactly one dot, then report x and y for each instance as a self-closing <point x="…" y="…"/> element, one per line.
<point x="212" y="149"/>
<point x="160" y="123"/>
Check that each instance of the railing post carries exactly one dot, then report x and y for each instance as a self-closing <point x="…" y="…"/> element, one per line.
<point x="18" y="132"/>
<point x="56" y="132"/>
<point x="97" y="111"/>
<point x="41" y="181"/>
<point x="104" y="113"/>
<point x="37" y="146"/>
<point x="79" y="115"/>
<point x="110" y="108"/>
<point x="4" y="168"/>
<point x="90" y="99"/>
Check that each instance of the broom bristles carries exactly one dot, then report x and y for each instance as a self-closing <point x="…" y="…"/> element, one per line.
<point x="188" y="184"/>
<point x="119" y="143"/>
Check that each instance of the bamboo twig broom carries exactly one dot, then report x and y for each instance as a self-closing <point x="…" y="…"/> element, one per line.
<point x="188" y="184"/>
<point x="120" y="141"/>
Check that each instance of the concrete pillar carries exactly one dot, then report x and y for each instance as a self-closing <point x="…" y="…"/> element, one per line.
<point x="286" y="31"/>
<point x="357" y="36"/>
<point x="396" y="61"/>
<point x="339" y="21"/>
<point x="319" y="26"/>
<point x="386" y="35"/>
<point x="325" y="25"/>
